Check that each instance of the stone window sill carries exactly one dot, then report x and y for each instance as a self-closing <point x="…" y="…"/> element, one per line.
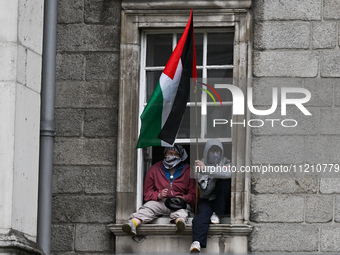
<point x="162" y="227"/>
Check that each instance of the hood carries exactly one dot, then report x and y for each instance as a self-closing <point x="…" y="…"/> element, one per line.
<point x="208" y="145"/>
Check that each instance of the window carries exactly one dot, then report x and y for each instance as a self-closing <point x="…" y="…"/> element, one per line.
<point x="144" y="24"/>
<point x="214" y="53"/>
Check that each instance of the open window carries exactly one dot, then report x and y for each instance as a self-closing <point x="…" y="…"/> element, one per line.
<point x="147" y="40"/>
<point x="214" y="57"/>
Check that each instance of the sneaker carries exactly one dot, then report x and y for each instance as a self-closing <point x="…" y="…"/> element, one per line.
<point x="180" y="226"/>
<point x="215" y="219"/>
<point x="195" y="247"/>
<point x="129" y="228"/>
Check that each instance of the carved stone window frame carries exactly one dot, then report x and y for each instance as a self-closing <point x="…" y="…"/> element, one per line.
<point x="139" y="15"/>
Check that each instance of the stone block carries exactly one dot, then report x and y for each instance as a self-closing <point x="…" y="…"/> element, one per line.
<point x="337" y="94"/>
<point x="284" y="185"/>
<point x="100" y="66"/>
<point x="318" y="150"/>
<point x="336" y="151"/>
<point x="329" y="238"/>
<point x="102" y="12"/>
<point x="81" y="37"/>
<point x="329" y="121"/>
<point x="129" y="25"/>
<point x="83" y="209"/>
<point x="70" y="11"/>
<point x="319" y="208"/>
<point x="21" y="64"/>
<point x="100" y="180"/>
<point x="94" y="94"/>
<point x="29" y="68"/>
<point x="93" y="237"/>
<point x="9" y="17"/>
<point x="285" y="64"/>
<point x="321" y="90"/>
<point x="7" y="134"/>
<point x="277" y="150"/>
<point x="69" y="122"/>
<point x="287" y="10"/>
<point x="70" y="67"/>
<point x="276" y="208"/>
<point x="336" y="155"/>
<point x="80" y="151"/>
<point x="101" y="122"/>
<point x="282" y="35"/>
<point x="263" y="89"/>
<point x="8" y="63"/>
<point x="294" y="123"/>
<point x="26" y="160"/>
<point x="30" y="24"/>
<point x="330" y="64"/>
<point x="284" y="238"/>
<point x="331" y="9"/>
<point x="62" y="239"/>
<point x="34" y="71"/>
<point x="68" y="179"/>
<point x="330" y="185"/>
<point x="337" y="208"/>
<point x="324" y="35"/>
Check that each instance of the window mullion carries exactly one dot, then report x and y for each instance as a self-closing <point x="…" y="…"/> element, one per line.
<point x="204" y="95"/>
<point x="142" y="103"/>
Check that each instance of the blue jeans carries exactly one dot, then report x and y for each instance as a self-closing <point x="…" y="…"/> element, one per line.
<point x="220" y="205"/>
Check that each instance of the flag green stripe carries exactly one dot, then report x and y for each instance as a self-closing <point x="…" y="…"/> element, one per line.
<point x="151" y="119"/>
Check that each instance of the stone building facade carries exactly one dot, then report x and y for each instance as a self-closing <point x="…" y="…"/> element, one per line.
<point x="278" y="43"/>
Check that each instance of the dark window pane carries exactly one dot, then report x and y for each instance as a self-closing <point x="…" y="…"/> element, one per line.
<point x="220" y="73"/>
<point x="199" y="74"/>
<point x="199" y="48"/>
<point x="152" y="78"/>
<point x="220" y="48"/>
<point x="159" y="49"/>
<point x="220" y="130"/>
<point x="191" y="120"/>
<point x="184" y="130"/>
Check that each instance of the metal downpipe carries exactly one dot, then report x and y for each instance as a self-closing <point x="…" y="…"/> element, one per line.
<point x="47" y="126"/>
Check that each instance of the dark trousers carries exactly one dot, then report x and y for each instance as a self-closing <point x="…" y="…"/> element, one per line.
<point x="220" y="205"/>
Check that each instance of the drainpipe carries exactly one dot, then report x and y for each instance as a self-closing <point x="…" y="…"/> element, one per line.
<point x="47" y="126"/>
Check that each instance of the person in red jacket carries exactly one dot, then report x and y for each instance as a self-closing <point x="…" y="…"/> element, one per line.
<point x="167" y="178"/>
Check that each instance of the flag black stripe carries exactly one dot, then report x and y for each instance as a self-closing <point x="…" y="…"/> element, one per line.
<point x="172" y="124"/>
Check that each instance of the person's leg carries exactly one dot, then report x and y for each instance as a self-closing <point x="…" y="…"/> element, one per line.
<point x="179" y="214"/>
<point x="221" y="205"/>
<point x="201" y="222"/>
<point x="179" y="217"/>
<point x="146" y="213"/>
<point x="150" y="211"/>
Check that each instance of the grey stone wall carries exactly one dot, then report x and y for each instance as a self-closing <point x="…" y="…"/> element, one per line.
<point x="86" y="126"/>
<point x="299" y="41"/>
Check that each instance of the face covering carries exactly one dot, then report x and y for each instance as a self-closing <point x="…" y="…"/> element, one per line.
<point x="171" y="161"/>
<point x="214" y="158"/>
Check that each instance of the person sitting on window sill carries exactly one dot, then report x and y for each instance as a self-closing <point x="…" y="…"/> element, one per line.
<point x="214" y="183"/>
<point x="167" y="178"/>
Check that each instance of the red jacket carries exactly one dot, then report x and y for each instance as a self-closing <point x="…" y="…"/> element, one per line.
<point x="155" y="181"/>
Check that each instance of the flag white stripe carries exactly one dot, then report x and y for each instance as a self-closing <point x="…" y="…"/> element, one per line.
<point x="169" y="89"/>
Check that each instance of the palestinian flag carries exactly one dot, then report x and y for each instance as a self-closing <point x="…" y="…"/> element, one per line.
<point x="163" y="114"/>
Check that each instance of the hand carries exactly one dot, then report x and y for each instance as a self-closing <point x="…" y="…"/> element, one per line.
<point x="163" y="193"/>
<point x="199" y="164"/>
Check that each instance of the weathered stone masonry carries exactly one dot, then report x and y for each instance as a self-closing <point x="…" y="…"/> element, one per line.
<point x="297" y="39"/>
<point x="86" y="125"/>
<point x="291" y="39"/>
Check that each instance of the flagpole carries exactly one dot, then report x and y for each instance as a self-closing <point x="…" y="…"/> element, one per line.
<point x="196" y="127"/>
